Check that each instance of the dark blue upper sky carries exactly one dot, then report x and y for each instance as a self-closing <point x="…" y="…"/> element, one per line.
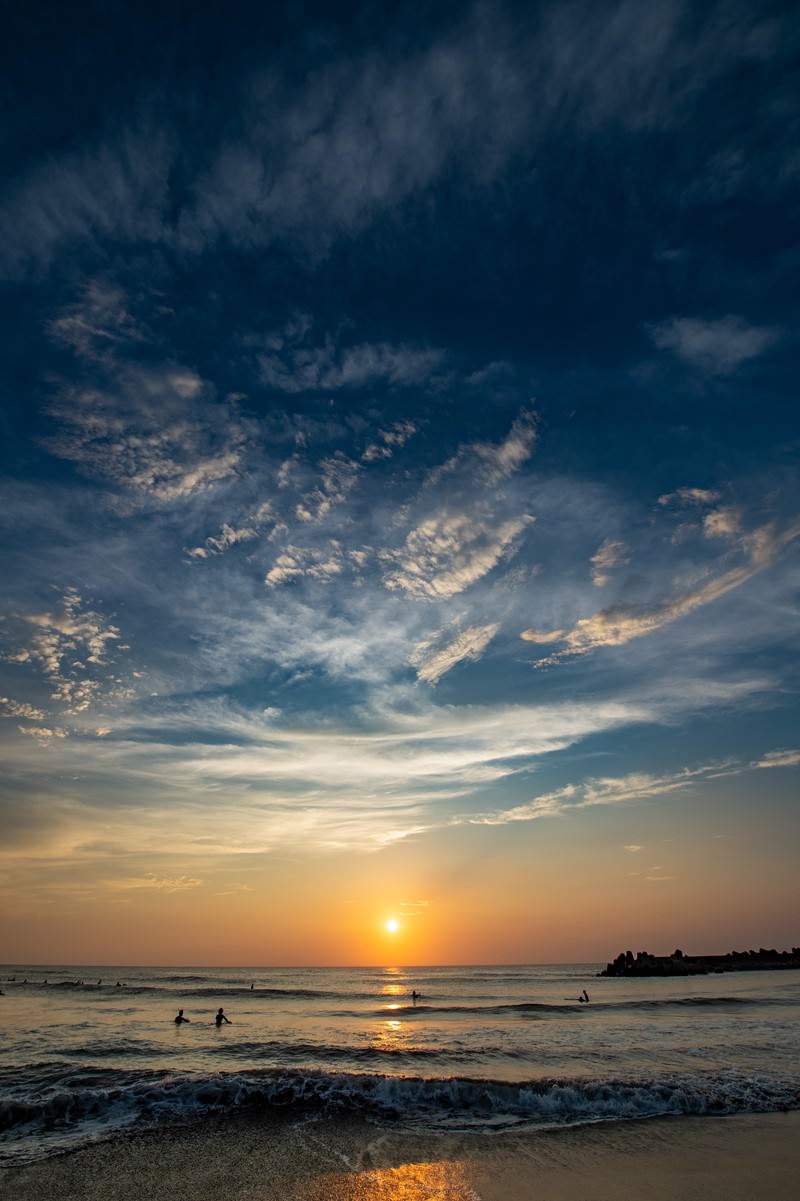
<point x="419" y="382"/>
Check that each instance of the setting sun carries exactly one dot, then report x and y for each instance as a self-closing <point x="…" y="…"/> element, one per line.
<point x="392" y="925"/>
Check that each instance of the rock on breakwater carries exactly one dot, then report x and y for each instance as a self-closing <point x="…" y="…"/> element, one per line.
<point x="678" y="964"/>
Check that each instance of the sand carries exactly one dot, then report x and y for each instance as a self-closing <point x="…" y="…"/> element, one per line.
<point x="740" y="1158"/>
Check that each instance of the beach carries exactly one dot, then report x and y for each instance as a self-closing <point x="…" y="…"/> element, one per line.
<point x="743" y="1157"/>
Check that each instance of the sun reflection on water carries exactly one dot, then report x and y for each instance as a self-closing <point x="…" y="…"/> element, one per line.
<point x="442" y="1181"/>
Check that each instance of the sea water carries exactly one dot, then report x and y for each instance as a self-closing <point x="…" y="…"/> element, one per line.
<point x="91" y="1051"/>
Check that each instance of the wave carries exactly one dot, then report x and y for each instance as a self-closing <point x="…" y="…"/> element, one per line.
<point x="83" y="1105"/>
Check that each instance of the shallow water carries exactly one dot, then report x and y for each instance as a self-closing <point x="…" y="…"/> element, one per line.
<point x="484" y="1047"/>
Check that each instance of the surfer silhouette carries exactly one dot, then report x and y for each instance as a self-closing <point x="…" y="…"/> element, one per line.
<point x="220" y="1018"/>
<point x="180" y="1018"/>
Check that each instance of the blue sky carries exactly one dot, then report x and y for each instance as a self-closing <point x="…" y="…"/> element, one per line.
<point x="399" y="464"/>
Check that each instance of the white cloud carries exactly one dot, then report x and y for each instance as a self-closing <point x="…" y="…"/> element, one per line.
<point x="620" y="624"/>
<point x="20" y="709"/>
<point x="488" y="463"/>
<point x="153" y="433"/>
<point x="389" y="440"/>
<point x="716" y="347"/>
<point x="66" y="645"/>
<point x="43" y="734"/>
<point x="448" y="552"/>
<point x="723" y="523"/>
<point x="98" y="323"/>
<point x="610" y="555"/>
<point x="339" y="476"/>
<point x="690" y="496"/>
<point x="636" y="786"/>
<point x="468" y="644"/>
<point x="780" y="759"/>
<point x="321" y="563"/>
<point x="327" y="368"/>
<point x="633" y="848"/>
<point x="217" y="544"/>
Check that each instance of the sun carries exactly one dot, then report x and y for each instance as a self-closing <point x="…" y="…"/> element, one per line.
<point x="392" y="925"/>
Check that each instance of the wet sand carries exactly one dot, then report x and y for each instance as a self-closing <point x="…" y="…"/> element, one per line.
<point x="739" y="1158"/>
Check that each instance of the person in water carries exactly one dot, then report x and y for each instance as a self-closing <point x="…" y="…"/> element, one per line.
<point x="180" y="1018"/>
<point x="584" y="997"/>
<point x="220" y="1018"/>
<point x="414" y="996"/>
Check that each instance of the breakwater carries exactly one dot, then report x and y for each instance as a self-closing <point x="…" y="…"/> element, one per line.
<point x="678" y="964"/>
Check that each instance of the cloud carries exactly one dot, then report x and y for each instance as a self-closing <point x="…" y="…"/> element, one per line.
<point x="633" y="848"/>
<point x="468" y="644"/>
<point x="448" y="552"/>
<point x="217" y="544"/>
<point x="542" y="637"/>
<point x="389" y="440"/>
<point x="716" y="347"/>
<point x="43" y="734"/>
<point x="723" y="523"/>
<point x="151" y="880"/>
<point x="283" y="785"/>
<point x="97" y="324"/>
<point x="310" y="153"/>
<point x="690" y="496"/>
<point x="620" y="790"/>
<point x="317" y="563"/>
<point x="610" y="554"/>
<point x="490" y="462"/>
<point x="339" y="475"/>
<point x="66" y="645"/>
<point x="620" y="624"/>
<point x="116" y="189"/>
<point x="780" y="759"/>
<point x="20" y="709"/>
<point x="155" y="434"/>
<point x="328" y="368"/>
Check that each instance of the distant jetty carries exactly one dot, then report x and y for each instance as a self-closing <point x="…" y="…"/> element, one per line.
<point x="678" y="964"/>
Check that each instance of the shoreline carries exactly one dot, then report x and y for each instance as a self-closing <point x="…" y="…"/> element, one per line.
<point x="741" y="1157"/>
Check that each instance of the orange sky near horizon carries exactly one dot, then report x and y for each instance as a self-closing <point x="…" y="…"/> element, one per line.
<point x="557" y="891"/>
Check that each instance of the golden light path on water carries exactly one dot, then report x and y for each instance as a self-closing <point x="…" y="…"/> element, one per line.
<point x="442" y="1181"/>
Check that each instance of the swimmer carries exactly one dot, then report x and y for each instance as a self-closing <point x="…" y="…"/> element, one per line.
<point x="220" y="1018"/>
<point x="180" y="1018"/>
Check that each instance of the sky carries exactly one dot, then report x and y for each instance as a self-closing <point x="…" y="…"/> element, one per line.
<point x="399" y="494"/>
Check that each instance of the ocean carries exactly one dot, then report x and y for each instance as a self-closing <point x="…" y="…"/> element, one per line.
<point x="90" y="1052"/>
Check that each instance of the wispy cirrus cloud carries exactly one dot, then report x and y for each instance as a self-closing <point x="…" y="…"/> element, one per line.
<point x="155" y="434"/>
<point x="609" y="790"/>
<point x="715" y="346"/>
<point x="448" y="552"/>
<point x="620" y="624"/>
<point x="780" y="759"/>
<point x="329" y="368"/>
<point x="433" y="662"/>
<point x="611" y="554"/>
<point x="466" y="529"/>
<point x="151" y="880"/>
<point x="488" y="463"/>
<point x="690" y="496"/>
<point x="319" y="787"/>
<point x="307" y="164"/>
